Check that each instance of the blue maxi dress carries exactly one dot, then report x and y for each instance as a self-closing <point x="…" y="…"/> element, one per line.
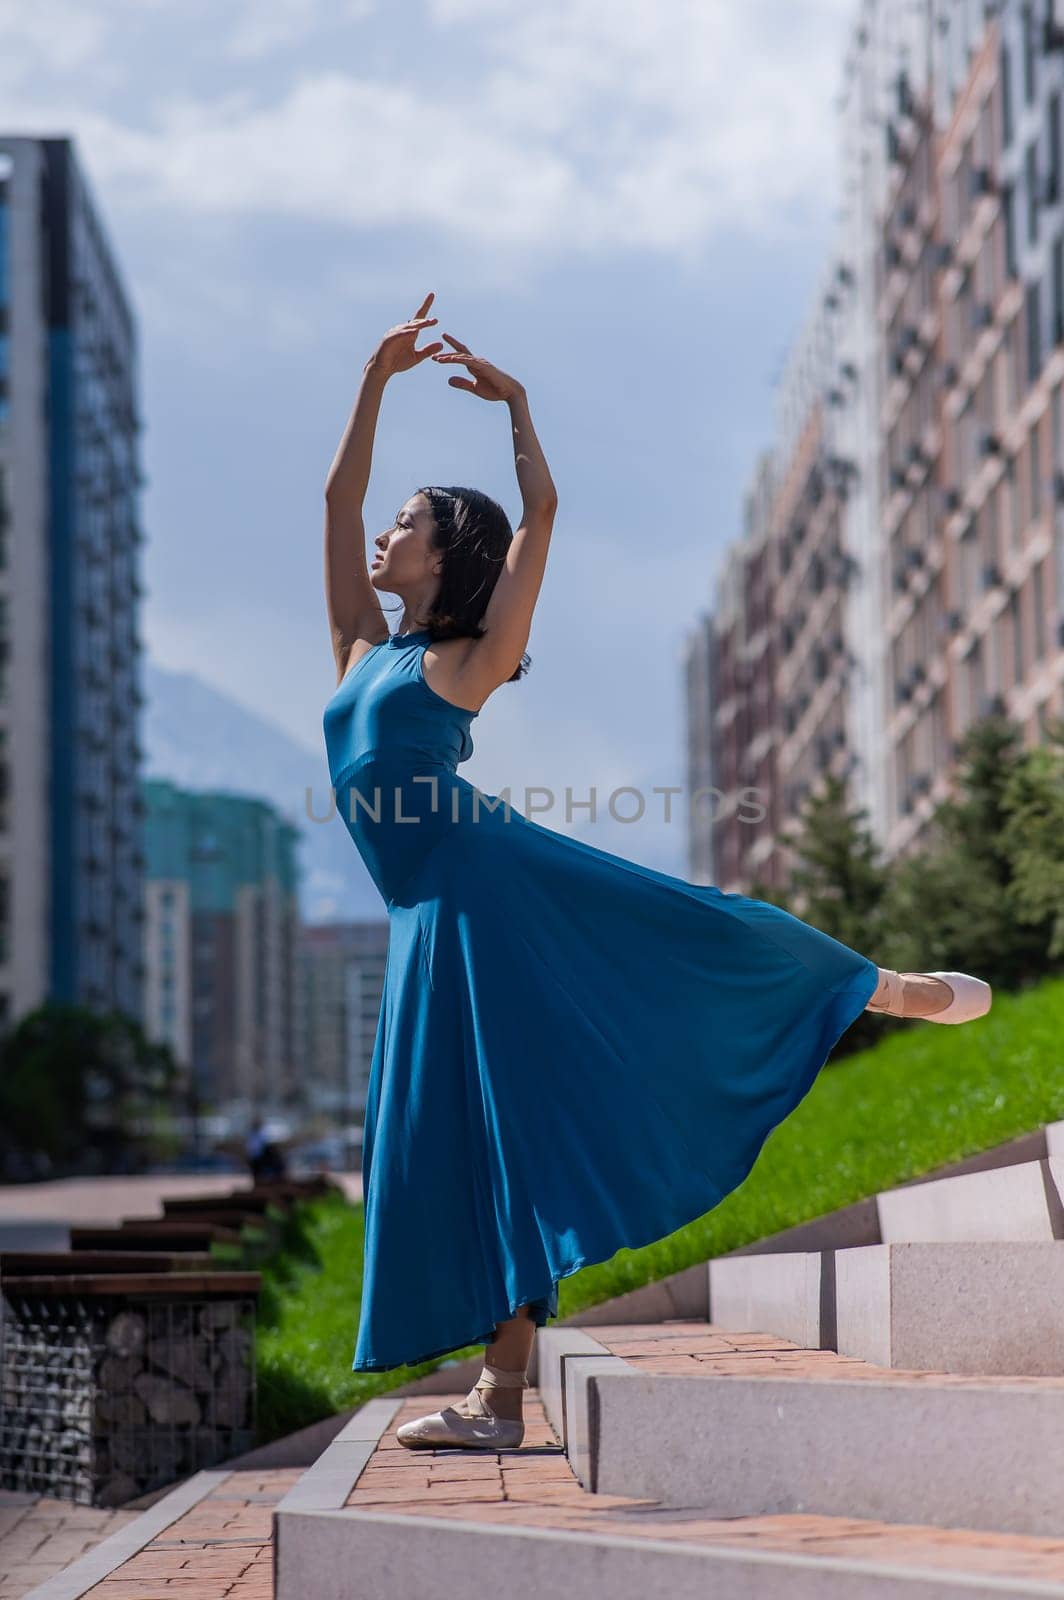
<point x="574" y="1052"/>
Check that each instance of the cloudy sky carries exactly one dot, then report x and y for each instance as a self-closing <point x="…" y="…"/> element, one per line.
<point x="625" y="203"/>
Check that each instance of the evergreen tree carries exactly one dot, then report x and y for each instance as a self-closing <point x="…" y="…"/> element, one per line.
<point x="953" y="904"/>
<point x="838" y="881"/>
<point x="839" y="885"/>
<point x="1033" y="839"/>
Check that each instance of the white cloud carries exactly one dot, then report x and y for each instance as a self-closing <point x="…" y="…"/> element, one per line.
<point x="571" y="128"/>
<point x="261" y="30"/>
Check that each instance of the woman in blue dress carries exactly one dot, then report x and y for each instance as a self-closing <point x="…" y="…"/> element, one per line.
<point x="574" y="1053"/>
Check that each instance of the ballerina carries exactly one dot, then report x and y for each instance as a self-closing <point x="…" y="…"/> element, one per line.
<point x="574" y="1052"/>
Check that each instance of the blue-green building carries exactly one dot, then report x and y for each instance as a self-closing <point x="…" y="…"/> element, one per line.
<point x="221" y="944"/>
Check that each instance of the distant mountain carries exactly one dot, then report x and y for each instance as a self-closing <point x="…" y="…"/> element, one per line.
<point x="200" y="739"/>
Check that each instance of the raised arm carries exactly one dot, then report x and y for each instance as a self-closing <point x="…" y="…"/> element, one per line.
<point x="508" y="614"/>
<point x="354" y="610"/>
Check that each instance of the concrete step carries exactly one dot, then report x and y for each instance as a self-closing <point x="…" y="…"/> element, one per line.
<point x="1021" y="1202"/>
<point x="372" y="1519"/>
<point x="968" y="1307"/>
<point x="740" y="1423"/>
<point x="859" y="1222"/>
<point x="862" y="1299"/>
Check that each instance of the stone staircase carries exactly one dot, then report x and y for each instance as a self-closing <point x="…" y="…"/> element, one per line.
<point x="871" y="1404"/>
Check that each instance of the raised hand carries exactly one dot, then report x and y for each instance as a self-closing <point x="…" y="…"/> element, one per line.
<point x="487" y="381"/>
<point x="396" y="352"/>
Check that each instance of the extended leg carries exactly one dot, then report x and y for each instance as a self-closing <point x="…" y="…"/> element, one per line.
<point x="910" y="994"/>
<point x="937" y="996"/>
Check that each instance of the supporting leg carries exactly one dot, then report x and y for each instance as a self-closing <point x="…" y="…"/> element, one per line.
<point x="509" y="1350"/>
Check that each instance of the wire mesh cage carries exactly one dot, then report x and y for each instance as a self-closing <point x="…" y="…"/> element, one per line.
<point x="106" y="1396"/>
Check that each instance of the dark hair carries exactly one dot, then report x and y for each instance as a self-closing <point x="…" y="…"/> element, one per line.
<point x="474" y="533"/>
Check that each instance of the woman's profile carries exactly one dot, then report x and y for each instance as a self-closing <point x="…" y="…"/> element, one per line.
<point x="575" y="1052"/>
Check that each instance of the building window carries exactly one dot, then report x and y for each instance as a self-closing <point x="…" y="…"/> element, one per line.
<point x="1034" y="332"/>
<point x="1028" y="54"/>
<point x="1006" y="95"/>
<point x="1035" y="462"/>
<point x="1039" y="613"/>
<point x="1030" y="164"/>
<point x="1015" y="511"/>
<point x="1053" y="164"/>
<point x="1012" y="268"/>
<point x="1017" y="636"/>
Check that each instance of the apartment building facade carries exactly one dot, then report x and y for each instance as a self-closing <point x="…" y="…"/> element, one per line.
<point x="71" y="865"/>
<point x="342" y="984"/>
<point x="916" y="533"/>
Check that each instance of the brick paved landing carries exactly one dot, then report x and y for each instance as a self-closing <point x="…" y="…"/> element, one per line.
<point x="691" y="1348"/>
<point x="221" y="1549"/>
<point x="533" y="1486"/>
<point x="40" y="1535"/>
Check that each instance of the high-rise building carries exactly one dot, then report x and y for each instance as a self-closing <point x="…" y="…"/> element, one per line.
<point x="343" y="967"/>
<point x="916" y="530"/>
<point x="71" y="868"/>
<point x="221" y="945"/>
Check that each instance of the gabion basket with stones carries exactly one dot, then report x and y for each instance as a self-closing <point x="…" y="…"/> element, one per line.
<point x="105" y="1397"/>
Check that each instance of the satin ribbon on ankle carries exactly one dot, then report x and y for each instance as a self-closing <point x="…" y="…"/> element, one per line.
<point x="502" y="1378"/>
<point x="893" y="1002"/>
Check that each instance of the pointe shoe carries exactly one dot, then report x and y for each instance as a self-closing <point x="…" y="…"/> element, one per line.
<point x="448" y="1428"/>
<point x="971" y="997"/>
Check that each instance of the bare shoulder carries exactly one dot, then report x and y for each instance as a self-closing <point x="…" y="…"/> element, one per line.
<point x="462" y="671"/>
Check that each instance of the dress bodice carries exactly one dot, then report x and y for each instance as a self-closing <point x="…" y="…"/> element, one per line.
<point x="384" y="711"/>
<point x="393" y="745"/>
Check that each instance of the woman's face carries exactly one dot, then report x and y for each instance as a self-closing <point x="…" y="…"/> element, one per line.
<point x="405" y="558"/>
